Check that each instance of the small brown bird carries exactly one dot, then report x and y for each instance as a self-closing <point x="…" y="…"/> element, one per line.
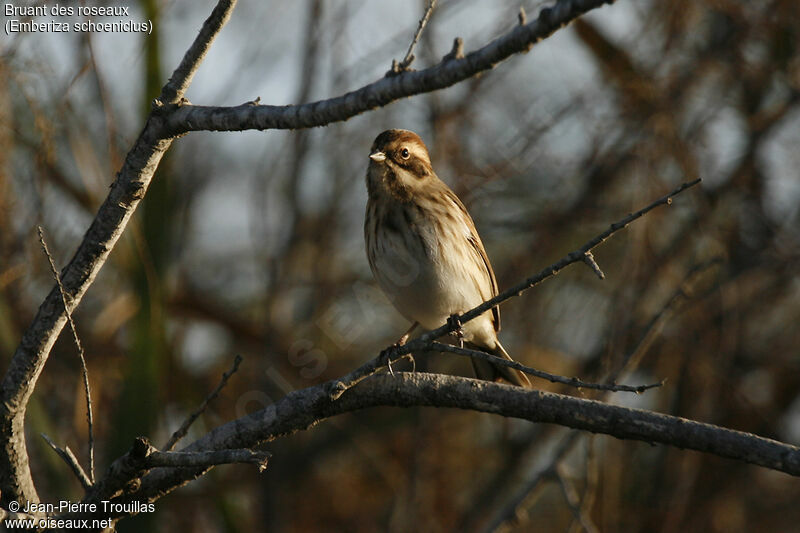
<point x="424" y="250"/>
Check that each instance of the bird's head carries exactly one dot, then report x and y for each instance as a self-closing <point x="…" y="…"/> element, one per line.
<point x="399" y="164"/>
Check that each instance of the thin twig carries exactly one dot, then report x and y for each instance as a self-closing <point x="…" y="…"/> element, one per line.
<point x="654" y="326"/>
<point x="179" y="82"/>
<point x="550" y="271"/>
<point x="588" y="258"/>
<point x="554" y="378"/>
<point x="629" y="363"/>
<point x="572" y="499"/>
<point x="126" y="472"/>
<point x="509" y="512"/>
<point x="409" y="58"/>
<point x="424" y="341"/>
<point x="25" y="367"/>
<point x="555" y="268"/>
<point x="181" y="431"/>
<point x="69" y="458"/>
<point x="84" y="369"/>
<point x="590" y="488"/>
<point x="209" y="458"/>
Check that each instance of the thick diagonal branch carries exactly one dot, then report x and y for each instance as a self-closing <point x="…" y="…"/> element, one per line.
<point x="127" y="190"/>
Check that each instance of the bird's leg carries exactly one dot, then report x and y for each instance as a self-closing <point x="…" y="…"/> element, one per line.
<point x="454" y="323"/>
<point x="404" y="339"/>
<point x="388" y="354"/>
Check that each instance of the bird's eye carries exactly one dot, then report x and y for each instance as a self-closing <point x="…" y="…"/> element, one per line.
<point x="404" y="153"/>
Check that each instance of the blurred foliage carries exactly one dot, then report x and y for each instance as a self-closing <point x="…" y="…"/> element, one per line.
<point x="252" y="244"/>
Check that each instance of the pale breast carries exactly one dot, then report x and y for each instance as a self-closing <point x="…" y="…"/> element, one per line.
<point x="426" y="264"/>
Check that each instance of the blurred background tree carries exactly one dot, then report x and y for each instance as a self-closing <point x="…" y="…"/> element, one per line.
<point x="252" y="243"/>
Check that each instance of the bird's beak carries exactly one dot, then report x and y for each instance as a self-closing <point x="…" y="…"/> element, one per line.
<point x="377" y="156"/>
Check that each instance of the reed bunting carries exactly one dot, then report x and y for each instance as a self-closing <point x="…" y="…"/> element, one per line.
<point x="424" y="250"/>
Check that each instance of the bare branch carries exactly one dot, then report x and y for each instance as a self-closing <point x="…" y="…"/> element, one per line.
<point x="210" y="458"/>
<point x="123" y="476"/>
<point x="451" y="70"/>
<point x="631" y="360"/>
<point x="588" y="258"/>
<point x="69" y="458"/>
<point x="171" y="116"/>
<point x="538" y="406"/>
<point x="552" y="270"/>
<point x="125" y="473"/>
<point x="127" y="190"/>
<point x="508" y="512"/>
<point x="653" y="327"/>
<point x="589" y="495"/>
<point x="305" y="408"/>
<point x="84" y="369"/>
<point x="403" y="65"/>
<point x="573" y="499"/>
<point x="553" y="378"/>
<point x="179" y="82"/>
<point x="456" y="52"/>
<point x="181" y="431"/>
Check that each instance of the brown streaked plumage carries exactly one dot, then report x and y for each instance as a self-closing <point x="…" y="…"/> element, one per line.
<point x="424" y="250"/>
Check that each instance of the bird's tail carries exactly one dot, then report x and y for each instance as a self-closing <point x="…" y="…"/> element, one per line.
<point x="490" y="372"/>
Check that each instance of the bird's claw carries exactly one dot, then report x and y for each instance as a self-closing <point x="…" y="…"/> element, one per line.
<point x="454" y="323"/>
<point x="386" y="356"/>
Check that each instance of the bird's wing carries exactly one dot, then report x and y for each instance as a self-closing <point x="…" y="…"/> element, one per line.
<point x="475" y="241"/>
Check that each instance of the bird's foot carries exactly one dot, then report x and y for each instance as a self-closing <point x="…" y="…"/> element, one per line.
<point x="391" y="353"/>
<point x="387" y="355"/>
<point x="454" y="323"/>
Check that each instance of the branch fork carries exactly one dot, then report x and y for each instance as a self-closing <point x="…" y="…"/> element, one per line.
<point x="405" y="64"/>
